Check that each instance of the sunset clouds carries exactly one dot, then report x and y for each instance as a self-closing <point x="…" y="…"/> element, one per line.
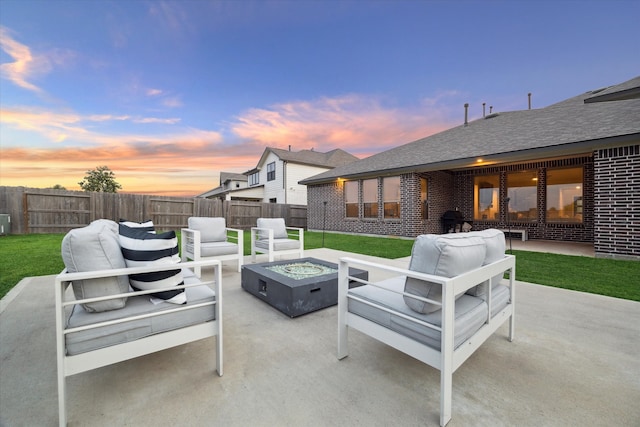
<point x="361" y="123"/>
<point x="168" y="94"/>
<point x="43" y="146"/>
<point x="23" y="64"/>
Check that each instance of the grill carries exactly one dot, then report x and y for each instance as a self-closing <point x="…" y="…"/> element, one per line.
<point x="450" y="220"/>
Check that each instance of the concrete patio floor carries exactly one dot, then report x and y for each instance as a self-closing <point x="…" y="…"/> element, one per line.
<point x="574" y="362"/>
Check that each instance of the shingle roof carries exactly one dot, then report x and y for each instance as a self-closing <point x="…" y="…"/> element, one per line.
<point x="568" y="127"/>
<point x="626" y="90"/>
<point x="331" y="159"/>
<point x="227" y="176"/>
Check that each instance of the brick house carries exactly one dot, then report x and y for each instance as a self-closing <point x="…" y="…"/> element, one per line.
<point x="569" y="171"/>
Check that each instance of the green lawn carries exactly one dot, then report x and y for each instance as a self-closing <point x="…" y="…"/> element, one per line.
<point x="39" y="254"/>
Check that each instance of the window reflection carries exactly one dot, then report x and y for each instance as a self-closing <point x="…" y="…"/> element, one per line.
<point x="522" y="190"/>
<point x="370" y="198"/>
<point x="486" y="190"/>
<point x="351" y="198"/>
<point x="564" y="195"/>
<point x="391" y="197"/>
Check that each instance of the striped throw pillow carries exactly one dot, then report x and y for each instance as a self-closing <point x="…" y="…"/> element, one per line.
<point x="142" y="248"/>
<point x="144" y="225"/>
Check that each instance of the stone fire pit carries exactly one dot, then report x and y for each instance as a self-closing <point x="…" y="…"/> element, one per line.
<point x="298" y="286"/>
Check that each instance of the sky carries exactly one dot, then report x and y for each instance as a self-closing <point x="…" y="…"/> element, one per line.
<point x="168" y="94"/>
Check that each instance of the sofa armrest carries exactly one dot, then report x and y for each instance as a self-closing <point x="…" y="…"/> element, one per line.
<point x="190" y="240"/>
<point x="64" y="279"/>
<point x="238" y="237"/>
<point x="456" y="285"/>
<point x="255" y="230"/>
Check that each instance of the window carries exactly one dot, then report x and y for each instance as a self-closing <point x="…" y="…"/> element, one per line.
<point x="486" y="193"/>
<point x="271" y="171"/>
<point x="351" y="198"/>
<point x="391" y="197"/>
<point x="423" y="198"/>
<point x="564" y="195"/>
<point x="370" y="198"/>
<point x="253" y="179"/>
<point x="522" y="190"/>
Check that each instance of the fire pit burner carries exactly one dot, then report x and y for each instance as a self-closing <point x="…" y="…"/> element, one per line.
<point x="302" y="270"/>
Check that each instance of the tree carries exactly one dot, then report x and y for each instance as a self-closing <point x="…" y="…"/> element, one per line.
<point x="100" y="179"/>
<point x="58" y="187"/>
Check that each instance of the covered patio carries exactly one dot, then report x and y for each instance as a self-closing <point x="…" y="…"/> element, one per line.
<point x="574" y="361"/>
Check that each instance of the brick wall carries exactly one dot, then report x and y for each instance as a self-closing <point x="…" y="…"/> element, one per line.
<point x="617" y="202"/>
<point x="538" y="229"/>
<point x="611" y="203"/>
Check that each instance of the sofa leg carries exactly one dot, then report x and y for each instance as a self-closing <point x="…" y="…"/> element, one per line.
<point x="446" y="385"/>
<point x="62" y="400"/>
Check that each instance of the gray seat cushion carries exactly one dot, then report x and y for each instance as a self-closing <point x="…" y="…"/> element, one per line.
<point x="218" y="248"/>
<point x="470" y="312"/>
<point x="279" y="244"/>
<point x="105" y="336"/>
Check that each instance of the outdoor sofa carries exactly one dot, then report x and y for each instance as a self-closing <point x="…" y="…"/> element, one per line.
<point x="449" y="301"/>
<point x="132" y="297"/>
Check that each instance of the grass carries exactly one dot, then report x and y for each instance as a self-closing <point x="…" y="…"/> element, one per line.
<point x="614" y="278"/>
<point x="39" y="254"/>
<point x="28" y="255"/>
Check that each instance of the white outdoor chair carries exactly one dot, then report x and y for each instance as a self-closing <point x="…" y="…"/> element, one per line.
<point x="273" y="237"/>
<point x="209" y="237"/>
<point x="449" y="301"/>
<point x="106" y="323"/>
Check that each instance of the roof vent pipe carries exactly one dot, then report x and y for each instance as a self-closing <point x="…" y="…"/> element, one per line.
<point x="466" y="114"/>
<point x="529" y="100"/>
<point x="490" y="108"/>
<point x="289" y="147"/>
<point x="483" y="105"/>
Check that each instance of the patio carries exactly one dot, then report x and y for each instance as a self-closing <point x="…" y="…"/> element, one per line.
<point x="574" y="361"/>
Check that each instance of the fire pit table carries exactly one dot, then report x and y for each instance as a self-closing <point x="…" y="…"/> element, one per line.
<point x="297" y="286"/>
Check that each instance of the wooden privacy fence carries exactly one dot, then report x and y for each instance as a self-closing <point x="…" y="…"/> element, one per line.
<point x="35" y="210"/>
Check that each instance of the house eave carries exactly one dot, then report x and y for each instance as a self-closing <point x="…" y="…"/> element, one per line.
<point x="569" y="149"/>
<point x="632" y="93"/>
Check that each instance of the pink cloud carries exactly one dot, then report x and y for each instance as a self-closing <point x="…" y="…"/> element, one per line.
<point x="24" y="64"/>
<point x="361" y="125"/>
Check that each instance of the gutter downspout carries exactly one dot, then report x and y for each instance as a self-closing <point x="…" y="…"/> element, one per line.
<point x="284" y="180"/>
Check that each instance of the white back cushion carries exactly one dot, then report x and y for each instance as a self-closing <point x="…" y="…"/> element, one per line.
<point x="211" y="229"/>
<point x="91" y="248"/>
<point x="442" y="256"/>
<point x="494" y="239"/>
<point x="276" y="224"/>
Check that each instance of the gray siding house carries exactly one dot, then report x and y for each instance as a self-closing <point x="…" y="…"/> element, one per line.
<point x="569" y="171"/>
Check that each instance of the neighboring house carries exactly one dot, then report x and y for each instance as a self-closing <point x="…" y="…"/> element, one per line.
<point x="275" y="178"/>
<point x="229" y="182"/>
<point x="569" y="171"/>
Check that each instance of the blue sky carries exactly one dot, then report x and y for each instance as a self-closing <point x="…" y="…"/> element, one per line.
<point x="170" y="93"/>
